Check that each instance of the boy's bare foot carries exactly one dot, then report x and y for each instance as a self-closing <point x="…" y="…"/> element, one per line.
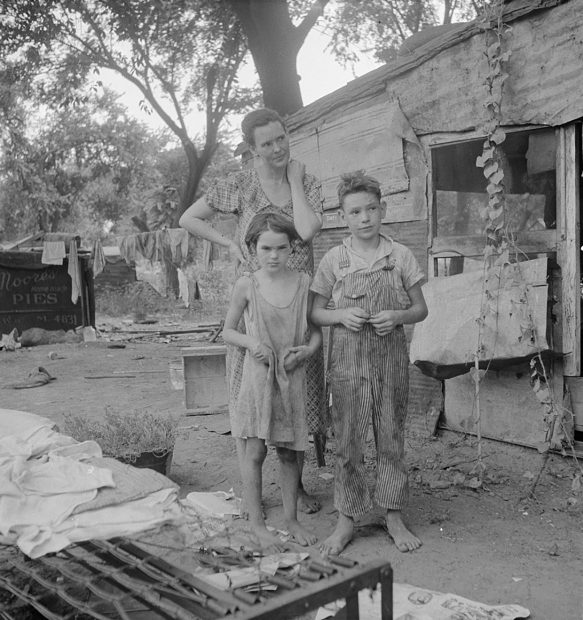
<point x="266" y="540"/>
<point x="340" y="537"/>
<point x="403" y="538"/>
<point x="307" y="503"/>
<point x="300" y="534"/>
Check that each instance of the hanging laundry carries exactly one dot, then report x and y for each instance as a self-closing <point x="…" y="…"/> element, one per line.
<point x="207" y="254"/>
<point x="98" y="258"/>
<point x="146" y="245"/>
<point x="178" y="239"/>
<point x="127" y="249"/>
<point x="160" y="244"/>
<point x="53" y="252"/>
<point x="75" y="272"/>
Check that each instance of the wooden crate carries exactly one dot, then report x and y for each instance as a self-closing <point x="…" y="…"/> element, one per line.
<point x="205" y="380"/>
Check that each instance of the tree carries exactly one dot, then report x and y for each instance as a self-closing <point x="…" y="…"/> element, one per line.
<point x="274" y="43"/>
<point x="179" y="54"/>
<point x="379" y="25"/>
<point x="73" y="167"/>
<point x="384" y="25"/>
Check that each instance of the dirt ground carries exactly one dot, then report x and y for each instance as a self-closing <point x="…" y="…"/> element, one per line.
<point x="493" y="544"/>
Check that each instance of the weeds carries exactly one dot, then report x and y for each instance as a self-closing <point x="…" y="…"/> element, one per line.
<point x="126" y="435"/>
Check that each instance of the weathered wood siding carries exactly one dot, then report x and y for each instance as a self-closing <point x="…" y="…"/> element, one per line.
<point x="377" y="139"/>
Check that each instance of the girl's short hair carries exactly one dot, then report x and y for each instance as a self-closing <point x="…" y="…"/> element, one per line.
<point x="357" y="181"/>
<point x="259" y="118"/>
<point x="268" y="220"/>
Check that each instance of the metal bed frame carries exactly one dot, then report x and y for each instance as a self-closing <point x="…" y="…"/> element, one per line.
<point x="119" y="579"/>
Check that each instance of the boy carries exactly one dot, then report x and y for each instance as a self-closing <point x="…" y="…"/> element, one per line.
<point x="374" y="284"/>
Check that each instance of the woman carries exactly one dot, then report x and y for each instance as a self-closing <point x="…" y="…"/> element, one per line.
<point x="278" y="184"/>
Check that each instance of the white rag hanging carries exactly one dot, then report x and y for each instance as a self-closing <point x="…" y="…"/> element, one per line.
<point x="75" y="272"/>
<point x="53" y="253"/>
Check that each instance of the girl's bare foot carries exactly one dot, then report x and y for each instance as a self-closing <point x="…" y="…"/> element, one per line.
<point x="266" y="540"/>
<point x="300" y="534"/>
<point x="307" y="503"/>
<point x="340" y="537"/>
<point x="403" y="538"/>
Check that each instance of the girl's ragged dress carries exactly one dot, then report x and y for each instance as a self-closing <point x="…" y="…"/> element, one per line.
<point x="271" y="401"/>
<point x="241" y="193"/>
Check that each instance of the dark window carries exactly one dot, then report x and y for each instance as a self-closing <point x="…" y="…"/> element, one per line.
<point x="528" y="161"/>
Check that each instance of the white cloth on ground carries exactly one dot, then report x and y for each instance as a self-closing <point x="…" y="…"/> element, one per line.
<point x="45" y="476"/>
<point x="120" y="520"/>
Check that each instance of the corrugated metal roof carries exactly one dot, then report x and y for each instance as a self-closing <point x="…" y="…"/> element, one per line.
<point x="374" y="83"/>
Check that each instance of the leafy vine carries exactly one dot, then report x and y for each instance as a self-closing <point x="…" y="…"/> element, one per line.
<point x="499" y="243"/>
<point x="490" y="160"/>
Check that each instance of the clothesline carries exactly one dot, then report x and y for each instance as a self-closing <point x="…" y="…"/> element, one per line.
<point x="174" y="243"/>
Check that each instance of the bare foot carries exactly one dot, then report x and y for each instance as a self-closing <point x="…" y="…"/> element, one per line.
<point x="300" y="534"/>
<point x="403" y="538"/>
<point x="340" y="537"/>
<point x="307" y="503"/>
<point x="266" y="540"/>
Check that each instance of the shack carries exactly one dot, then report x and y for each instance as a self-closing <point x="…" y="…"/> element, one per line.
<point x="418" y="125"/>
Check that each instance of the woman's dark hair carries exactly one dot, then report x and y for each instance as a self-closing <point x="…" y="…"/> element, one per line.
<point x="275" y="222"/>
<point x="259" y="118"/>
<point x="357" y="181"/>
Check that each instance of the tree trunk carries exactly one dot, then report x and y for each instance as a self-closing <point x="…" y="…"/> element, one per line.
<point x="274" y="43"/>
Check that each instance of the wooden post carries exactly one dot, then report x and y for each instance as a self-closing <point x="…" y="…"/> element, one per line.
<point x="568" y="223"/>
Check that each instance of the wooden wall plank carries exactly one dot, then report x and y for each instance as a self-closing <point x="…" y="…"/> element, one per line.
<point x="575" y="385"/>
<point x="568" y="223"/>
<point x="509" y="408"/>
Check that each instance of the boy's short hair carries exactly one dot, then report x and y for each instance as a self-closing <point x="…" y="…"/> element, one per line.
<point x="259" y="118"/>
<point x="268" y="220"/>
<point x="357" y="181"/>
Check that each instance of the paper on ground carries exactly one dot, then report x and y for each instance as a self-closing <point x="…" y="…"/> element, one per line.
<point x="243" y="577"/>
<point x="215" y="504"/>
<point x="413" y="603"/>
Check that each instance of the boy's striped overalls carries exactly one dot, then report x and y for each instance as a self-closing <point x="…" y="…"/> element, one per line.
<point x="369" y="378"/>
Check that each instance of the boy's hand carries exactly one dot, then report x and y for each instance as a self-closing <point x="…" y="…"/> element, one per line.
<point x="384" y="322"/>
<point x="353" y="318"/>
<point x="296" y="356"/>
<point x="260" y="352"/>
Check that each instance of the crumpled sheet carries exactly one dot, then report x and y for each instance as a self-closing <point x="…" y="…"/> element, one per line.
<point x="45" y="476"/>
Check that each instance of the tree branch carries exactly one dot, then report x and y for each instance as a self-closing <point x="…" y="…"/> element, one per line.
<point x="303" y="28"/>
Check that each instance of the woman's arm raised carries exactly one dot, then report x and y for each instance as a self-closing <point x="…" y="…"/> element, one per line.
<point x="306" y="221"/>
<point x="195" y="221"/>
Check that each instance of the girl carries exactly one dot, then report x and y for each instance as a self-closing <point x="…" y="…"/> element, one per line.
<point x="274" y="182"/>
<point x="275" y="304"/>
